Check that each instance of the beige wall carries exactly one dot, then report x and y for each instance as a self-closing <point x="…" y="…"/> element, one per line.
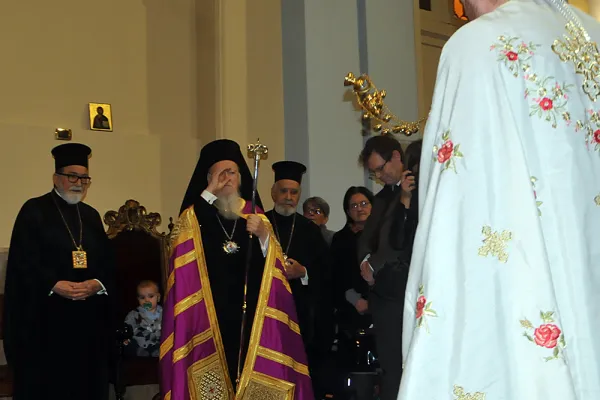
<point x="60" y="55"/>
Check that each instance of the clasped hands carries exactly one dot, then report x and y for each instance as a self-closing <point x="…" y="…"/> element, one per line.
<point x="75" y="290"/>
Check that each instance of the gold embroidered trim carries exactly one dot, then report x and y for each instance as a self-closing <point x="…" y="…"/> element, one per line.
<point x="274" y="253"/>
<point x="166" y="345"/>
<point x="188" y="302"/>
<point x="183" y="229"/>
<point x="206" y="380"/>
<point x="184" y="259"/>
<point x="263" y="387"/>
<point x="170" y="283"/>
<point x="282" y="317"/>
<point x="168" y="395"/>
<point x="187" y="348"/>
<point x="279" y="275"/>
<point x="190" y="216"/>
<point x="283" y="359"/>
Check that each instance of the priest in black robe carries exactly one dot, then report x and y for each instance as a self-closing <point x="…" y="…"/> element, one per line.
<point x="59" y="281"/>
<point x="307" y="266"/>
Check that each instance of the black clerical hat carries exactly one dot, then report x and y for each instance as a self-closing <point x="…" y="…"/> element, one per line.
<point x="289" y="170"/>
<point x="212" y="153"/>
<point x="71" y="154"/>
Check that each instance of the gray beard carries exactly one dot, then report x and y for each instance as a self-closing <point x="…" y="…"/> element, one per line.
<point x="286" y="211"/>
<point x="226" y="206"/>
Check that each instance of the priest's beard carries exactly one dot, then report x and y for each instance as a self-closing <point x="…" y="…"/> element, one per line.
<point x="72" y="195"/>
<point x="285" y="209"/>
<point x="228" y="206"/>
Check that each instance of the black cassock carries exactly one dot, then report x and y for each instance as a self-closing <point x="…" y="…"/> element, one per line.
<point x="58" y="348"/>
<point x="308" y="247"/>
<point x="226" y="273"/>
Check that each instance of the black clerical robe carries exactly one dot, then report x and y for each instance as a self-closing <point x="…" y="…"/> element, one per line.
<point x="308" y="247"/>
<point x="226" y="273"/>
<point x="58" y="348"/>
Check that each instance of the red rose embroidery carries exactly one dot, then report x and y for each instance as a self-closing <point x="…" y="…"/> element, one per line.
<point x="512" y="56"/>
<point x="546" y="104"/>
<point x="547" y="335"/>
<point x="597" y="136"/>
<point x="445" y="152"/>
<point x="421" y="306"/>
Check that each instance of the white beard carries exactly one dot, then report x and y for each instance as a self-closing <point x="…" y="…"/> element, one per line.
<point x="286" y="211"/>
<point x="228" y="206"/>
<point x="70" y="197"/>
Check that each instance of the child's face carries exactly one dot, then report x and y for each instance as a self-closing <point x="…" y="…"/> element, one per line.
<point x="148" y="295"/>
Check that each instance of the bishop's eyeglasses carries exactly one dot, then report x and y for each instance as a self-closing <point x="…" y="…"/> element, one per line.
<point x="72" y="178"/>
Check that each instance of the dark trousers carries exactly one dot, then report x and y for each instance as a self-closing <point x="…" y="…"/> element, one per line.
<point x="386" y="303"/>
<point x="387" y="319"/>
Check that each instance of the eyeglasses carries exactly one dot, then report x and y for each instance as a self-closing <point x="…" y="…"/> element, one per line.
<point x="376" y="171"/>
<point x="315" y="211"/>
<point x="72" y="178"/>
<point x="362" y="204"/>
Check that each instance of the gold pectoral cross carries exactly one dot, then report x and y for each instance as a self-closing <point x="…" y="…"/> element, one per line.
<point x="79" y="259"/>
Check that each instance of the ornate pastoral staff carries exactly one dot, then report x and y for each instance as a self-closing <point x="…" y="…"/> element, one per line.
<point x="374" y="110"/>
<point x="257" y="151"/>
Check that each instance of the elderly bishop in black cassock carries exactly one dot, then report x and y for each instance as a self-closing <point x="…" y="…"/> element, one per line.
<point x="306" y="266"/>
<point x="59" y="281"/>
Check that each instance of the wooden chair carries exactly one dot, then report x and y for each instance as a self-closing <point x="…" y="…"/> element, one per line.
<point x="142" y="253"/>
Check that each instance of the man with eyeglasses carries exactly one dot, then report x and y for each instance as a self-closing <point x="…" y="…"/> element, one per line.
<point x="317" y="210"/>
<point x="60" y="275"/>
<point x="385" y="247"/>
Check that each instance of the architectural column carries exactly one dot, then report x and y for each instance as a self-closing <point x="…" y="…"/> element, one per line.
<point x="240" y="87"/>
<point x="322" y="128"/>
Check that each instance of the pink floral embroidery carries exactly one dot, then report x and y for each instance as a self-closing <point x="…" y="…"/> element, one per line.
<point x="537" y="202"/>
<point x="423" y="309"/>
<point x="547" y="335"/>
<point x="591" y="126"/>
<point x="514" y="53"/>
<point x="447" y="152"/>
<point x="548" y="99"/>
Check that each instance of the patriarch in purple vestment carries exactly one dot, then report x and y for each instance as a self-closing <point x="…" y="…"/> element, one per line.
<point x="217" y="269"/>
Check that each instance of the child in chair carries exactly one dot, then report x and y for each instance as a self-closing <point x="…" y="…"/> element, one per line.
<point x="146" y="320"/>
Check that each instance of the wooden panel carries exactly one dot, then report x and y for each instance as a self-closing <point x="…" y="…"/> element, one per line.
<point x="431" y="56"/>
<point x="435" y="28"/>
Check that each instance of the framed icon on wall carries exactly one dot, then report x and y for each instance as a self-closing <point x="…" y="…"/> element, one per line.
<point x="100" y="117"/>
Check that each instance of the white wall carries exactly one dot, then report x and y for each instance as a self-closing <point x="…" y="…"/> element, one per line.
<point x="60" y="55"/>
<point x="322" y="128"/>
